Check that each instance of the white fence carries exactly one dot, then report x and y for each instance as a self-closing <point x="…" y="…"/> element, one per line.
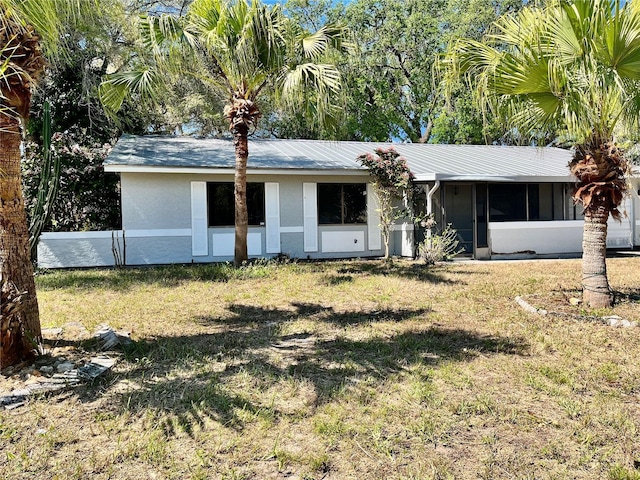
<point x="109" y="248"/>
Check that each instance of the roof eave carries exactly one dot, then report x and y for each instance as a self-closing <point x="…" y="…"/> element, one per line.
<point x="118" y="168"/>
<point x="445" y="177"/>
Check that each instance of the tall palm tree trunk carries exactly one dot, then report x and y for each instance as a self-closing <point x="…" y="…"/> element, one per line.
<point x="19" y="331"/>
<point x="242" y="114"/>
<point x="595" y="286"/>
<point x="241" y="143"/>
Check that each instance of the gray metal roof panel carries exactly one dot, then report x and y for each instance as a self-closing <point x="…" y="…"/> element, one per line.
<point x="427" y="161"/>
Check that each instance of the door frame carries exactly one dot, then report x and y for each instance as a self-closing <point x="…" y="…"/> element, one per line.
<point x="478" y="252"/>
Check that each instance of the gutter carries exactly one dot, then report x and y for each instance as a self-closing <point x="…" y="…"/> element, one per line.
<point x="430" y="197"/>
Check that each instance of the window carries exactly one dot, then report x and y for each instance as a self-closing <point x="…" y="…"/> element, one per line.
<point x="512" y="202"/>
<point x="222" y="205"/>
<point x="342" y="203"/>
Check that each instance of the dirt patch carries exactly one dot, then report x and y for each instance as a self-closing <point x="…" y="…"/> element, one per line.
<point x="568" y="304"/>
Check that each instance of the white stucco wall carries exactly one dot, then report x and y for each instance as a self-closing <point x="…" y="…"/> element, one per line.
<point x="155" y="201"/>
<point x="538" y="237"/>
<point x="94" y="249"/>
<point x="157" y="216"/>
<point x="549" y="238"/>
<point x="635" y="214"/>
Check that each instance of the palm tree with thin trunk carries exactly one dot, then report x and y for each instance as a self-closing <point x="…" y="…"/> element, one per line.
<point x="243" y="50"/>
<point x="572" y="66"/>
<point x="29" y="29"/>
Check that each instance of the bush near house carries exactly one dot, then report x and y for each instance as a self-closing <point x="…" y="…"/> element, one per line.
<point x="393" y="184"/>
<point x="88" y="198"/>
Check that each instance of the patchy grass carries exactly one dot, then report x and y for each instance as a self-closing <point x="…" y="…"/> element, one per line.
<point x="338" y="370"/>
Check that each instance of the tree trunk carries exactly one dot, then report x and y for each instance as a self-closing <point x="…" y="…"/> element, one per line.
<point x="20" y="331"/>
<point x="595" y="285"/>
<point x="241" y="143"/>
<point x="386" y="233"/>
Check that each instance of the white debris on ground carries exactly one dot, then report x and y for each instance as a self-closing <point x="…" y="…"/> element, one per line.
<point x="59" y="370"/>
<point x="528" y="307"/>
<point x="108" y="338"/>
<point x="611" y="320"/>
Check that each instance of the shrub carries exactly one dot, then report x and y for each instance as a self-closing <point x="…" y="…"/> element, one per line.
<point x="438" y="247"/>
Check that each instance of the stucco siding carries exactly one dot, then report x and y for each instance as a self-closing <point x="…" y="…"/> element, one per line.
<point x="548" y="238"/>
<point x="159" y="250"/>
<point x="635" y="214"/>
<point x="620" y="233"/>
<point x="542" y="238"/>
<point x="291" y="214"/>
<point x="95" y="249"/>
<point x="291" y="244"/>
<point x="157" y="220"/>
<point x="152" y="201"/>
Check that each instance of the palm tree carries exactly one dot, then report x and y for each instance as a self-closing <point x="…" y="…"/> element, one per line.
<point x="573" y="67"/>
<point x="244" y="51"/>
<point x="29" y="29"/>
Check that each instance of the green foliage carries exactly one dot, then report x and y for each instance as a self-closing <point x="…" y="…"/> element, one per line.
<point x="619" y="472"/>
<point x="242" y="49"/>
<point x="391" y="90"/>
<point x="390" y="80"/>
<point x="87" y="197"/>
<point x="47" y="190"/>
<point x="563" y="68"/>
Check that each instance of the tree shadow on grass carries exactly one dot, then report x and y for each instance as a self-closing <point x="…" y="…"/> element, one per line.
<point x="250" y="314"/>
<point x="627" y="295"/>
<point x="409" y="270"/>
<point x="231" y="375"/>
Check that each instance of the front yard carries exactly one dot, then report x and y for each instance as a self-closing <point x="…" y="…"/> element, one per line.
<point x="337" y="370"/>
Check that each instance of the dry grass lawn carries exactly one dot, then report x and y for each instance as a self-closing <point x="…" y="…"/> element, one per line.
<point x="340" y="370"/>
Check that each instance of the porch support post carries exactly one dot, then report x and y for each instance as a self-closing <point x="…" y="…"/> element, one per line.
<point x="430" y="194"/>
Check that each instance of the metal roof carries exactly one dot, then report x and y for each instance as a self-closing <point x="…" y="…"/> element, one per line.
<point x="427" y="161"/>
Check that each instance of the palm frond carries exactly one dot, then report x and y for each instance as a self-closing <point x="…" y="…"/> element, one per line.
<point x="620" y="45"/>
<point x="315" y="44"/>
<point x="322" y="77"/>
<point x="240" y="49"/>
<point x="48" y="18"/>
<point x="144" y="81"/>
<point x="577" y="61"/>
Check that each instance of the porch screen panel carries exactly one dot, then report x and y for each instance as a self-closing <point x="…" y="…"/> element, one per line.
<point x="481" y="216"/>
<point x="507" y="202"/>
<point x="310" y="212"/>
<point x="373" y="219"/>
<point x="272" y="214"/>
<point x="541" y="201"/>
<point x="199" y="241"/>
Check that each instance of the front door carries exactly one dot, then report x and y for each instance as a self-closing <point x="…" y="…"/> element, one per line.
<point x="458" y="211"/>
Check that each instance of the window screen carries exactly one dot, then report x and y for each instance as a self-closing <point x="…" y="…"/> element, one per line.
<point x="342" y="203"/>
<point x="222" y="204"/>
